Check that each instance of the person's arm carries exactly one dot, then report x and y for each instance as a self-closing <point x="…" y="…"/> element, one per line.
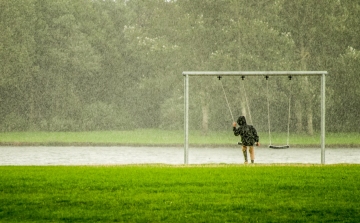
<point x="236" y="132"/>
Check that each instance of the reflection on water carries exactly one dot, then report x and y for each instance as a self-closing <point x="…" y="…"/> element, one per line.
<point x="167" y="155"/>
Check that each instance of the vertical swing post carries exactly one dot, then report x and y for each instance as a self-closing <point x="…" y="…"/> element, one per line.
<point x="289" y="113"/>
<point x="323" y="87"/>
<point x="186" y="119"/>
<point x="268" y="106"/>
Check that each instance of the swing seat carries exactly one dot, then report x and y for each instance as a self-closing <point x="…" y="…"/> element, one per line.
<point x="279" y="147"/>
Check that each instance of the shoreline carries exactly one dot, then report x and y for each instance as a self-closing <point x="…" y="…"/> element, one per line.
<point x="92" y="144"/>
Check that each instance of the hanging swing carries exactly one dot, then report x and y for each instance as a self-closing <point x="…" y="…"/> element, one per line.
<point x="288" y="123"/>
<point x="227" y="101"/>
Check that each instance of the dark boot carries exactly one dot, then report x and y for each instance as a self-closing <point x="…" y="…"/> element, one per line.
<point x="245" y="156"/>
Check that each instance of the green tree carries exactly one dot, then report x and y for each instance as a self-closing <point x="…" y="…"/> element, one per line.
<point x="312" y="25"/>
<point x="345" y="92"/>
<point x="342" y="82"/>
<point x="227" y="36"/>
<point x="153" y="54"/>
<point x="65" y="58"/>
<point x="17" y="55"/>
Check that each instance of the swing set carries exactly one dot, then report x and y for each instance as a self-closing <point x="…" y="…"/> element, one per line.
<point x="286" y="146"/>
<point x="265" y="74"/>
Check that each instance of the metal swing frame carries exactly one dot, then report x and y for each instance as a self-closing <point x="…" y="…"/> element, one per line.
<point x="187" y="74"/>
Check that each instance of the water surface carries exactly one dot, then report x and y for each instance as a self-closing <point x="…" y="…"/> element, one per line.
<point x="43" y="155"/>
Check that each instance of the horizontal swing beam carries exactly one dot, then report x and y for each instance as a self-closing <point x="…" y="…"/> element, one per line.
<point x="254" y="73"/>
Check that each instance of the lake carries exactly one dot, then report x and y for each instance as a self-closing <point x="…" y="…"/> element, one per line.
<point x="121" y="155"/>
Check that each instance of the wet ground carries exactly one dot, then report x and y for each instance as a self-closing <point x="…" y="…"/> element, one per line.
<point x="167" y="155"/>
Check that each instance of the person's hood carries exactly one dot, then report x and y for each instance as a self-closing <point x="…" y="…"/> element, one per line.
<point x="241" y="120"/>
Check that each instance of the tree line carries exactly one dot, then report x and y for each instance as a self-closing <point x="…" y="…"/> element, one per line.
<point x="85" y="65"/>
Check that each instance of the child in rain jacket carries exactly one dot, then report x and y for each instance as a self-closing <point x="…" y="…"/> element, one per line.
<point x="249" y="137"/>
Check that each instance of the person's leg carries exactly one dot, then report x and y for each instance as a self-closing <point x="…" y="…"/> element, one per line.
<point x="252" y="153"/>
<point x="244" y="150"/>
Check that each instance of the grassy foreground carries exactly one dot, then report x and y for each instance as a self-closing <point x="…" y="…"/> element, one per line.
<point x="162" y="137"/>
<point x="196" y="193"/>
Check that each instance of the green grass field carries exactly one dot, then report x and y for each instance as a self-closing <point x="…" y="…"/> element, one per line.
<point x="195" y="193"/>
<point x="162" y="137"/>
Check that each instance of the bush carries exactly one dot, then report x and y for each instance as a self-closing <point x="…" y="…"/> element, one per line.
<point x="102" y="116"/>
<point x="172" y="114"/>
<point x="14" y="122"/>
<point x="61" y="124"/>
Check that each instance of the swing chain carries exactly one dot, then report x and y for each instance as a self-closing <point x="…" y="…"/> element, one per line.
<point x="227" y="101"/>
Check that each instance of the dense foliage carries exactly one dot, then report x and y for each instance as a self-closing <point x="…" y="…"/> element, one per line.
<point x="81" y="65"/>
